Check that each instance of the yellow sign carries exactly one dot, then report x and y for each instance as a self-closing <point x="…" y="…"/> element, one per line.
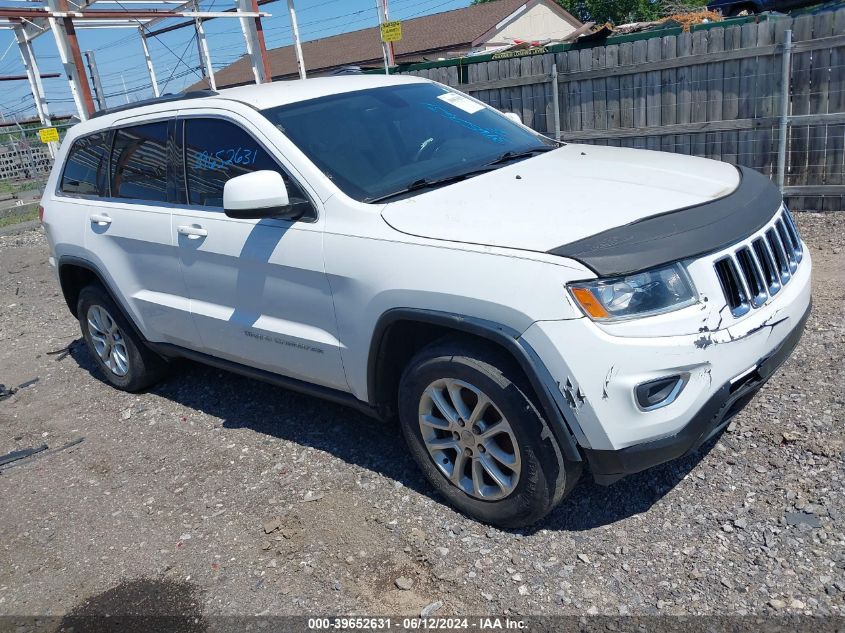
<point x="48" y="134"/>
<point x="391" y="31"/>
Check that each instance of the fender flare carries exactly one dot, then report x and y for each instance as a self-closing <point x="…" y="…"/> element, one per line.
<point x="88" y="265"/>
<point x="73" y="260"/>
<point x="504" y="336"/>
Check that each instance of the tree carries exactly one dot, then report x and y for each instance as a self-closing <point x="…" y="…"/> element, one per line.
<point x="617" y="11"/>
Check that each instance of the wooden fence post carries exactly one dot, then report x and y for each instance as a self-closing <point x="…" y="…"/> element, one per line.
<point x="555" y="101"/>
<point x="786" y="59"/>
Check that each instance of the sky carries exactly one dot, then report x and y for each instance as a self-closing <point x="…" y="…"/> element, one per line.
<point x="120" y="59"/>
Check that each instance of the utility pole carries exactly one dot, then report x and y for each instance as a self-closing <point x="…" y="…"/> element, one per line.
<point x="202" y="46"/>
<point x="390" y="45"/>
<point x="125" y="93"/>
<point x="99" y="95"/>
<point x="34" y="76"/>
<point x="382" y="18"/>
<point x="296" y="43"/>
<point x="256" y="48"/>
<point x="65" y="35"/>
<point x="150" y="69"/>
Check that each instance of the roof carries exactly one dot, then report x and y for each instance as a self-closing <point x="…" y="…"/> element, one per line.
<point x="256" y="96"/>
<point x="436" y="33"/>
<point x="280" y="93"/>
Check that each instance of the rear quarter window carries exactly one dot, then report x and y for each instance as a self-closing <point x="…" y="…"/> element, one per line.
<point x="86" y="166"/>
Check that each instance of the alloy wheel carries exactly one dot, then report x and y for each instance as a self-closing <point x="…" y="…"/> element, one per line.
<point x="469" y="439"/>
<point x="108" y="340"/>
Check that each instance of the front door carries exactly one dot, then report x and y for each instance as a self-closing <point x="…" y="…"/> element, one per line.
<point x="258" y="288"/>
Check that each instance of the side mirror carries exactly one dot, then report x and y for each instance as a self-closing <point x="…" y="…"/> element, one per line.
<point x="513" y="116"/>
<point x="261" y="194"/>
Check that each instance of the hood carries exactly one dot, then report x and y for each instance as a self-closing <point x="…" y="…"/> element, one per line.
<point x="561" y="197"/>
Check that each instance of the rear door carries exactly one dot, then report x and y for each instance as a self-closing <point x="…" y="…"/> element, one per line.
<point x="128" y="231"/>
<point x="259" y="292"/>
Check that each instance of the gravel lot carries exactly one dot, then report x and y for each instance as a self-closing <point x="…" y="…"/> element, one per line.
<point x="214" y="494"/>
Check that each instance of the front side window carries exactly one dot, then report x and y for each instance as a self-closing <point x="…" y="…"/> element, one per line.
<point x="139" y="162"/>
<point x="217" y="150"/>
<point x="377" y="142"/>
<point x="86" y="166"/>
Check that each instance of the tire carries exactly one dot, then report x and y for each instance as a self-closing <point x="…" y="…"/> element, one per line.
<point x="124" y="360"/>
<point x="536" y="476"/>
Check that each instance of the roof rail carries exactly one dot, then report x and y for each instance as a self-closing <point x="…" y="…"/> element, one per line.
<point x="179" y="96"/>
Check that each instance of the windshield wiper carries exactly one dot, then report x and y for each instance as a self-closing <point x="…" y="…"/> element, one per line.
<point x="425" y="183"/>
<point x="509" y="156"/>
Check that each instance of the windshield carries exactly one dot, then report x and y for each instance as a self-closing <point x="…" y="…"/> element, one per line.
<point x="383" y="141"/>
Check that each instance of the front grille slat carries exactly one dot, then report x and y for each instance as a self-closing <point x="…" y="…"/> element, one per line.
<point x="788" y="246"/>
<point x="732" y="286"/>
<point x="793" y="231"/>
<point x="780" y="255"/>
<point x="753" y="276"/>
<point x="767" y="263"/>
<point x="758" y="269"/>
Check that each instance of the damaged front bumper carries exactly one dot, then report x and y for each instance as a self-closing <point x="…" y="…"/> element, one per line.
<point x="608" y="466"/>
<point x="597" y="374"/>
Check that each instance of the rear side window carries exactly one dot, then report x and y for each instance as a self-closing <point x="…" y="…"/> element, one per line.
<point x="139" y="162"/>
<point x="217" y="150"/>
<point x="86" y="166"/>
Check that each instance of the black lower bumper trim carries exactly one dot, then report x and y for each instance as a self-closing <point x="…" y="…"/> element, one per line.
<point x="610" y="466"/>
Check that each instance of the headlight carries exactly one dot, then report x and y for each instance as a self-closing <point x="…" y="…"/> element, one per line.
<point x="638" y="295"/>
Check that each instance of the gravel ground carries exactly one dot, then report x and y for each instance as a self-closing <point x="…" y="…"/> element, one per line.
<point x="214" y="494"/>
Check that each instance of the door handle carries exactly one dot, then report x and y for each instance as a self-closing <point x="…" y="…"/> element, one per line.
<point x="192" y="232"/>
<point x="100" y="219"/>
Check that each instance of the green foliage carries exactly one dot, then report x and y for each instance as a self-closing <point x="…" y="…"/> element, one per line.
<point x="614" y="11"/>
<point x="17" y="215"/>
<point x="623" y="11"/>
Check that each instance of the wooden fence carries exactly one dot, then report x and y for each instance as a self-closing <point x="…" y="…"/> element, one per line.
<point x="717" y="91"/>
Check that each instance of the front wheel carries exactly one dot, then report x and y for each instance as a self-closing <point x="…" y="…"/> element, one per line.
<point x="470" y="424"/>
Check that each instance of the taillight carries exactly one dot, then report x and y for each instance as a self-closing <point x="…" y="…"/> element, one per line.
<point x="41" y="213"/>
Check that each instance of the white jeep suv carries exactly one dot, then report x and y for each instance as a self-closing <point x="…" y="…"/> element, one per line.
<point x="524" y="306"/>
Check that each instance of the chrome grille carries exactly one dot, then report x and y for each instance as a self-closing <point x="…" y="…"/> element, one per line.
<point x="757" y="270"/>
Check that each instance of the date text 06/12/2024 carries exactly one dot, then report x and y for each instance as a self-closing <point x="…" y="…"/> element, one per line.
<point x="415" y="624"/>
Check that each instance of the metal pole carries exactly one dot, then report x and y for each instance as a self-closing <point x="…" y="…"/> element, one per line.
<point x="254" y="39"/>
<point x="391" y="52"/>
<point x="296" y="43"/>
<point x="384" y="48"/>
<point x="34" y="76"/>
<point x="205" y="56"/>
<point x="556" y="101"/>
<point x="125" y="94"/>
<point x="65" y="36"/>
<point x="784" y="107"/>
<point x="150" y="69"/>
<point x="67" y="32"/>
<point x="95" y="80"/>
<point x="262" y="47"/>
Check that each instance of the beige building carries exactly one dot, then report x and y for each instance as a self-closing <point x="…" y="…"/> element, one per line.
<point x="437" y="36"/>
<point x="536" y="20"/>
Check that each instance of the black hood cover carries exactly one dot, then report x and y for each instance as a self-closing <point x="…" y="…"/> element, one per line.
<point x="680" y="234"/>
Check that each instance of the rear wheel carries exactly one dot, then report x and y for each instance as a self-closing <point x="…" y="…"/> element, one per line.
<point x="472" y="427"/>
<point x="123" y="358"/>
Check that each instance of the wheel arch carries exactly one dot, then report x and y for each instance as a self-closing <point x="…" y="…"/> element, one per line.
<point x="414" y="327"/>
<point x="74" y="274"/>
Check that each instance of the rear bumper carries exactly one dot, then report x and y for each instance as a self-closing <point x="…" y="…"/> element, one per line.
<point x="608" y="466"/>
